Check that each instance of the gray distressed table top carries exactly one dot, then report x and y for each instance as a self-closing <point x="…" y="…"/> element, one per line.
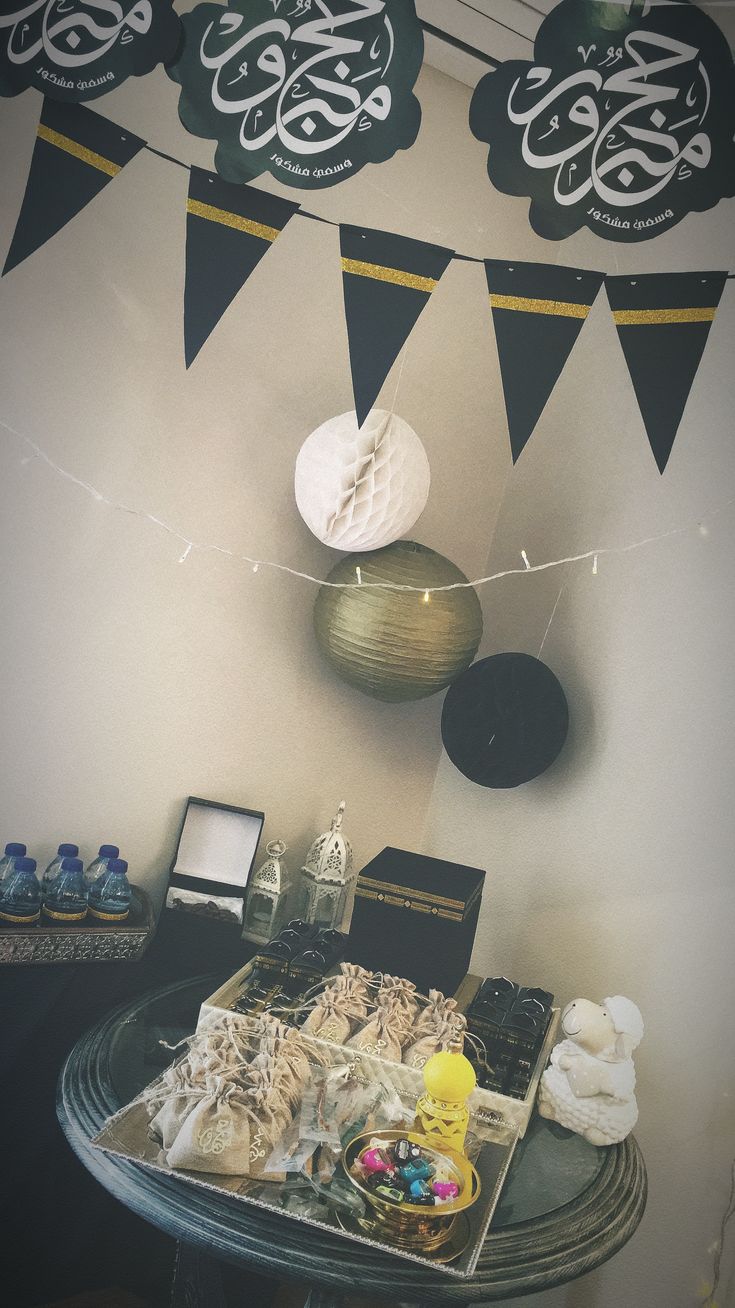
<point x="566" y="1207"/>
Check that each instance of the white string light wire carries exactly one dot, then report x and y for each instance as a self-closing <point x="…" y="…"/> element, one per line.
<point x="190" y="545"/>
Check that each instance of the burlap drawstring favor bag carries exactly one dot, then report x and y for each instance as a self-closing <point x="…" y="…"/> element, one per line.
<point x="385" y="1032"/>
<point x="402" y="991"/>
<point x="225" y="1105"/>
<point x="435" y="1037"/>
<point x="215" y="1137"/>
<point x="182" y="1097"/>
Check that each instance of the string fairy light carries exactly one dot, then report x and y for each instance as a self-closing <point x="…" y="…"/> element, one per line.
<point x="190" y="545"/>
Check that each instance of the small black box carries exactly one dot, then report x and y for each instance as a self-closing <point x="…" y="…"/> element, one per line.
<point x="416" y="917"/>
<point x="511" y="1021"/>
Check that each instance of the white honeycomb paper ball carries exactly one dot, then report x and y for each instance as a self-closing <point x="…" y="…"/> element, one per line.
<point x="360" y="488"/>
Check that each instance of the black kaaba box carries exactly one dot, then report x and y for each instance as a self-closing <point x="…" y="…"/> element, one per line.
<point x="416" y="917"/>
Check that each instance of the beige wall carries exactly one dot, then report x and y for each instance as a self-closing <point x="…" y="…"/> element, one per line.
<point x="130" y="681"/>
<point x="613" y="872"/>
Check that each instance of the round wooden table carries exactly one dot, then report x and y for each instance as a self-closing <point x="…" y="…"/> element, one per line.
<point x="566" y="1206"/>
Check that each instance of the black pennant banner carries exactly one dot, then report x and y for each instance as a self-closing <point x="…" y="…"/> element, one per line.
<point x="538" y="312"/>
<point x="77" y="152"/>
<point x="387" y="280"/>
<point x="228" y="230"/>
<point x="663" y="321"/>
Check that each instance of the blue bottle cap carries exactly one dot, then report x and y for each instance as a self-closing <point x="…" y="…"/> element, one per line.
<point x="117" y="865"/>
<point x="25" y="865"/>
<point x="14" y="850"/>
<point x="109" y="851"/>
<point x="68" y="851"/>
<point x="71" y="865"/>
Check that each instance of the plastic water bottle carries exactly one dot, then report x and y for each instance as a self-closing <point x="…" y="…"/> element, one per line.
<point x="21" y="899"/>
<point x="66" y="899"/>
<point x="54" y="867"/>
<point x="13" y="851"/>
<point x="110" y="893"/>
<point x="98" y="864"/>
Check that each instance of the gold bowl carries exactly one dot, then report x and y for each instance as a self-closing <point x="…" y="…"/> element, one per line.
<point x="413" y="1226"/>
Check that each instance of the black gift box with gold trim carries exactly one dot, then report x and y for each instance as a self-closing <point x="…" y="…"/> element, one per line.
<point x="416" y="917"/>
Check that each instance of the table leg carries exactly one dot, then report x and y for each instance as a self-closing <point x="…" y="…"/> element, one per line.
<point x="197" y="1280"/>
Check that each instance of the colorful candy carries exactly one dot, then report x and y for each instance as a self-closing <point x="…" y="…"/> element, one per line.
<point x="404" y="1173"/>
<point x="417" y="1170"/>
<point x="402" y="1151"/>
<point x="376" y="1160"/>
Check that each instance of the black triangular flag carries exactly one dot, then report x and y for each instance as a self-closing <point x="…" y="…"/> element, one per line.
<point x="228" y="230"/>
<point x="387" y="281"/>
<point x="77" y="152"/>
<point x="663" y="321"/>
<point x="538" y="313"/>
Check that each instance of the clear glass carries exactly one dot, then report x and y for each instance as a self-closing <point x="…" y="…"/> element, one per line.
<point x="550" y="1166"/>
<point x="260" y="915"/>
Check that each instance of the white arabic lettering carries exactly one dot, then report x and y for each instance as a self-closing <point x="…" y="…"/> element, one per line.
<point x="632" y="153"/>
<point x="76" y="40"/>
<point x="310" y="111"/>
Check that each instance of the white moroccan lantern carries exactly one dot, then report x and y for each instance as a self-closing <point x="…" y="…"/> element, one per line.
<point x="361" y="488"/>
<point x="326" y="878"/>
<point x="268" y="896"/>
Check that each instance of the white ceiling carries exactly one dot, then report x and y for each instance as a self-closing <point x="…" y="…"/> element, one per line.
<point x="504" y="29"/>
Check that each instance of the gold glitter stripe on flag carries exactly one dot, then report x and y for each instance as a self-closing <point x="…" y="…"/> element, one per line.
<point x="523" y="304"/>
<point x="642" y="317"/>
<point x="79" y="151"/>
<point x="235" y="220"/>
<point x="383" y="274"/>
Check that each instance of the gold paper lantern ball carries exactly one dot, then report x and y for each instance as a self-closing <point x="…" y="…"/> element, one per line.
<point x="398" y="644"/>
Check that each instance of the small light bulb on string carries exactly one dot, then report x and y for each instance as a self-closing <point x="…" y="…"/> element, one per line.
<point x="256" y="567"/>
<point x="594" y="566"/>
<point x="186" y="553"/>
<point x="524" y="556"/>
<point x="358" y="570"/>
<point x="427" y="597"/>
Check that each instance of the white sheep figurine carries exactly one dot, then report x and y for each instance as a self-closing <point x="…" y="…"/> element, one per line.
<point x="589" y="1085"/>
